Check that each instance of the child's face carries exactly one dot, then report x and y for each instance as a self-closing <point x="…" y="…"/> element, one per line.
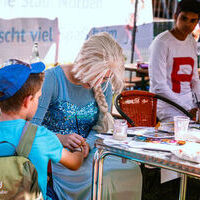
<point x="186" y="22"/>
<point x="34" y="104"/>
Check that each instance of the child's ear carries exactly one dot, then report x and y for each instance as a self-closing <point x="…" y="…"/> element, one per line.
<point x="27" y="101"/>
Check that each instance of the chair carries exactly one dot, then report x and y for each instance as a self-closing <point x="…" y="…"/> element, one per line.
<point x="139" y="107"/>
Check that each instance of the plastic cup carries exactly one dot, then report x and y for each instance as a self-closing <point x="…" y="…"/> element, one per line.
<point x="120" y="129"/>
<point x="181" y="124"/>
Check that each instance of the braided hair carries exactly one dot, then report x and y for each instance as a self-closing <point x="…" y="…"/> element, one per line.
<point x="99" y="55"/>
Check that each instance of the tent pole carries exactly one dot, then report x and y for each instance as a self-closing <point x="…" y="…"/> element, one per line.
<point x="134" y="32"/>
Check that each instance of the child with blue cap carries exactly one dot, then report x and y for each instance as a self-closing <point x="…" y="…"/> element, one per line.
<point x="20" y="89"/>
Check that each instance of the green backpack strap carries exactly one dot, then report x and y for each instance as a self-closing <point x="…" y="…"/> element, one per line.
<point x="26" y="139"/>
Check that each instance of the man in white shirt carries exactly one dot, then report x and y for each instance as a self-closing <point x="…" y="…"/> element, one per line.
<point x="173" y="62"/>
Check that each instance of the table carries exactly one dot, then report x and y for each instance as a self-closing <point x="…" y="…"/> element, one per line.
<point x="164" y="160"/>
<point x="140" y="72"/>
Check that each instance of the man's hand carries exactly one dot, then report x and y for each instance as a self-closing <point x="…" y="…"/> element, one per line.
<point x="193" y="112"/>
<point x="71" y="141"/>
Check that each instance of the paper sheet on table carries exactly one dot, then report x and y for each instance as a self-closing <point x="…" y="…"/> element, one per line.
<point x="140" y="131"/>
<point x="152" y="146"/>
<point x="190" y="151"/>
<point x="109" y="140"/>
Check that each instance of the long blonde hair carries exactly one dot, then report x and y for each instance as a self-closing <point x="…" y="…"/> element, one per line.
<point x="98" y="55"/>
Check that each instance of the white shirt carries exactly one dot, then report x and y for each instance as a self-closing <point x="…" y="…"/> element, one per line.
<point x="173" y="73"/>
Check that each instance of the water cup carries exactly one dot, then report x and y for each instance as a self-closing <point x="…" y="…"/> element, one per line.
<point x="181" y="124"/>
<point x="120" y="129"/>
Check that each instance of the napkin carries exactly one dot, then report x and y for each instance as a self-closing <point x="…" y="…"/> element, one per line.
<point x="109" y="140"/>
<point x="190" y="151"/>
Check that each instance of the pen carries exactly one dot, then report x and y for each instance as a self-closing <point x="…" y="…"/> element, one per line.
<point x="128" y="135"/>
<point x="106" y="134"/>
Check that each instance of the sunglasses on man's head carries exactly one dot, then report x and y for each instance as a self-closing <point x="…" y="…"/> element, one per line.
<point x="15" y="62"/>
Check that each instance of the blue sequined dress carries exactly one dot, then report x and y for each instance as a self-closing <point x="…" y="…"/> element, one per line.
<point x="61" y="104"/>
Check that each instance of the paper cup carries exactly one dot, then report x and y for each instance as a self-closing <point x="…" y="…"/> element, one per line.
<point x="120" y="129"/>
<point x="181" y="124"/>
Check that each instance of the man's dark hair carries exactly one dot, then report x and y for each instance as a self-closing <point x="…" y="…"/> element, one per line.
<point x="188" y="6"/>
<point x="30" y="87"/>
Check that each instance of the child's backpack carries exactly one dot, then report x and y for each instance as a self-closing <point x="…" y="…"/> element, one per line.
<point x="18" y="176"/>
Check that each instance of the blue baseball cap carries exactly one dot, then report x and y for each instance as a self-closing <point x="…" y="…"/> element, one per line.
<point x="14" y="73"/>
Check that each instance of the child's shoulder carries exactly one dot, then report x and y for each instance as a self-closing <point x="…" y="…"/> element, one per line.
<point x="46" y="140"/>
<point x="43" y="131"/>
<point x="45" y="135"/>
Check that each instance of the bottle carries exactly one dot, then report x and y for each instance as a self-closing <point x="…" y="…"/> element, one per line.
<point x="35" y="53"/>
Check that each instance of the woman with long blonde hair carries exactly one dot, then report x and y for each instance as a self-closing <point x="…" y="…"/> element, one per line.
<point x="75" y="104"/>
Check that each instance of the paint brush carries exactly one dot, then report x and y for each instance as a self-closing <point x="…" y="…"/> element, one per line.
<point x="77" y="127"/>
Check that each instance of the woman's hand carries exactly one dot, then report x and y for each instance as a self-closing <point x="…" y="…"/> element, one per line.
<point x="71" y="141"/>
<point x="86" y="149"/>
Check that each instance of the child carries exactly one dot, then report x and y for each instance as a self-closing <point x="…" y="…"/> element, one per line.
<point x="20" y="89"/>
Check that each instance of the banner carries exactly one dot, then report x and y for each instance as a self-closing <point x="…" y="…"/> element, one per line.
<point x="123" y="35"/>
<point x="17" y="37"/>
<point x="75" y="17"/>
